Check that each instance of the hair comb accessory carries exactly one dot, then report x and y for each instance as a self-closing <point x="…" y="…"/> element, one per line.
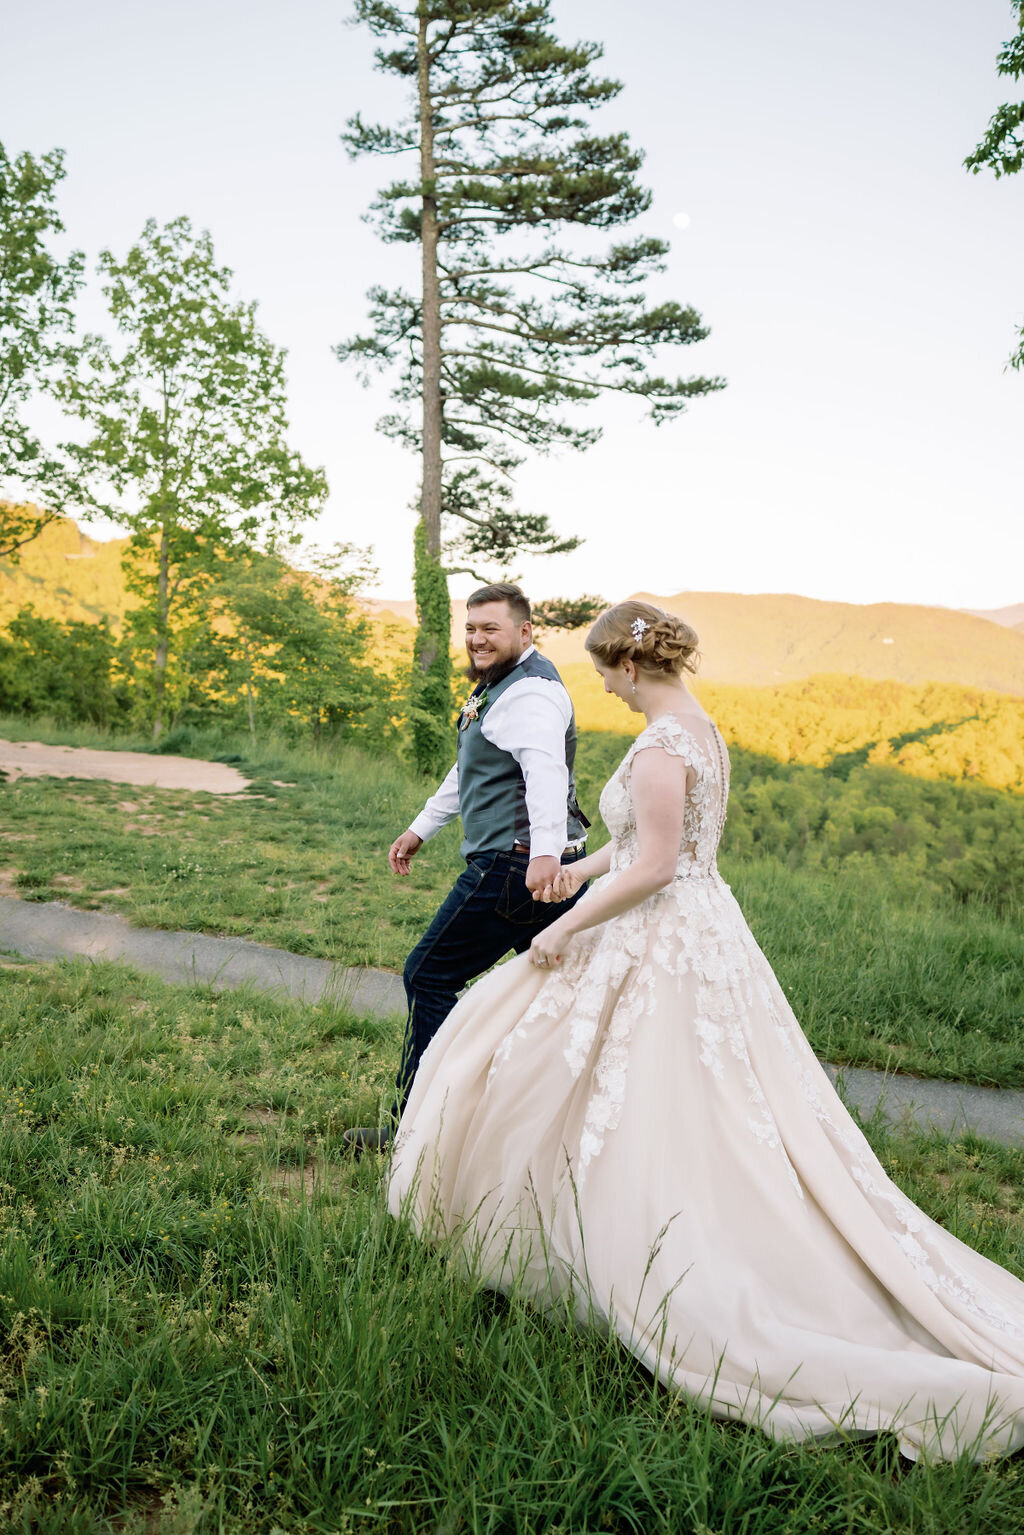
<point x="638" y="628"/>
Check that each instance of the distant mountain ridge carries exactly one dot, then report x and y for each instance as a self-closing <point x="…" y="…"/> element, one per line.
<point x="767" y="639"/>
<point x="1012" y="617"/>
<point x="759" y="640"/>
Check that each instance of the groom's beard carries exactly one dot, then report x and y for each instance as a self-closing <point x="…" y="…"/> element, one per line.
<point x="490" y="675"/>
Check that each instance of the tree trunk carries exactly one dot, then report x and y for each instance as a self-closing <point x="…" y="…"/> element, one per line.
<point x="162" y="607"/>
<point x="431" y="684"/>
<point x="430" y="504"/>
<point x="431" y="693"/>
<point x="250" y="699"/>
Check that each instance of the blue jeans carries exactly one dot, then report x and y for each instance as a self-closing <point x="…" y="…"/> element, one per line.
<point x="487" y="912"/>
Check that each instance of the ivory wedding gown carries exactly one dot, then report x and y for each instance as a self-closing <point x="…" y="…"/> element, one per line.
<point x="647" y="1132"/>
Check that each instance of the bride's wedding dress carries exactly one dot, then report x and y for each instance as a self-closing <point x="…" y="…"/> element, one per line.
<point x="646" y="1132"/>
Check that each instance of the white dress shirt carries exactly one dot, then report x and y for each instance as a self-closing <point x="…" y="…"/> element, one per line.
<point x="528" y="720"/>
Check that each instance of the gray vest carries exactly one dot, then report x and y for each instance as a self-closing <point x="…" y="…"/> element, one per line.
<point x="492" y="789"/>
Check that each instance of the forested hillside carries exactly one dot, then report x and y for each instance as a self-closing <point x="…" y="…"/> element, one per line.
<point x="964" y="840"/>
<point x="67" y="575"/>
<point x="933" y="730"/>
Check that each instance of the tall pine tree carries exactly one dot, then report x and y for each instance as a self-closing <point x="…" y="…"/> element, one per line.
<point x="509" y="324"/>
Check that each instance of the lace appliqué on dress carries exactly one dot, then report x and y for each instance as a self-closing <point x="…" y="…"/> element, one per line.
<point x="679" y="931"/>
<point x="616" y="974"/>
<point x="907" y="1227"/>
<point x="607" y="981"/>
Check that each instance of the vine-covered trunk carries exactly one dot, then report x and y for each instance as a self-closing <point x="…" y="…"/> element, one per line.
<point x="163" y="603"/>
<point x="431" y="694"/>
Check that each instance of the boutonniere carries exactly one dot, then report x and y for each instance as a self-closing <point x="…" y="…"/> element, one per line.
<point x="472" y="709"/>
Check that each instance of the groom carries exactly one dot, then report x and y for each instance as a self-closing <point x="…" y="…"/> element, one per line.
<point x="513" y="786"/>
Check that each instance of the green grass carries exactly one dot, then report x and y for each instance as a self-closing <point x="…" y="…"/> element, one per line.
<point x="302" y="867"/>
<point x="880" y="978"/>
<point x="210" y="1324"/>
<point x="881" y="969"/>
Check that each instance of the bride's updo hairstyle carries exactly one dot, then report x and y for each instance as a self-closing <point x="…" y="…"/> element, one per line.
<point x="635" y="631"/>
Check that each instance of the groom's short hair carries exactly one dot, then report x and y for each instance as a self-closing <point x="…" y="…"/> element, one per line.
<point x="503" y="591"/>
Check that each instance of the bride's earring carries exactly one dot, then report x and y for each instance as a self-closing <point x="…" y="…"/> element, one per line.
<point x="632" y="683"/>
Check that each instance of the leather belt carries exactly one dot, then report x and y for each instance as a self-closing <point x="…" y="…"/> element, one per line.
<point x="573" y="847"/>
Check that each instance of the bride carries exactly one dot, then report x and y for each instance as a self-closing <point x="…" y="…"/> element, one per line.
<point x="629" y="1119"/>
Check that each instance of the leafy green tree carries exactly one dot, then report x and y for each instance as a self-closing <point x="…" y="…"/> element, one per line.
<point x="37" y="297"/>
<point x="188" y="423"/>
<point x="292" y="644"/>
<point x="1002" y="148"/>
<point x="68" y="671"/>
<point x="509" y="325"/>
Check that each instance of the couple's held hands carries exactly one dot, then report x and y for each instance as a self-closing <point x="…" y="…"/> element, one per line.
<point x="569" y="878"/>
<point x="402" y="850"/>
<point x="564" y="885"/>
<point x="540" y="873"/>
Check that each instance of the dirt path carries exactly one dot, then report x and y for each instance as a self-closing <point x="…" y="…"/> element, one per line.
<point x="31" y="759"/>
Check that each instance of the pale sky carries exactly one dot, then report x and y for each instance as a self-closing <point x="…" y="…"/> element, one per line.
<point x="862" y="289"/>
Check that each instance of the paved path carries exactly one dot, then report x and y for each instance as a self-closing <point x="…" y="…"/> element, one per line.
<point x="49" y="930"/>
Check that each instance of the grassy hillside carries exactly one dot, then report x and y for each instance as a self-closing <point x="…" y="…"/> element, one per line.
<point x="889" y="907"/>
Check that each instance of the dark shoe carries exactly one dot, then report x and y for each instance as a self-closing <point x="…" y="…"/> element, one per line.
<point x="360" y="1140"/>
